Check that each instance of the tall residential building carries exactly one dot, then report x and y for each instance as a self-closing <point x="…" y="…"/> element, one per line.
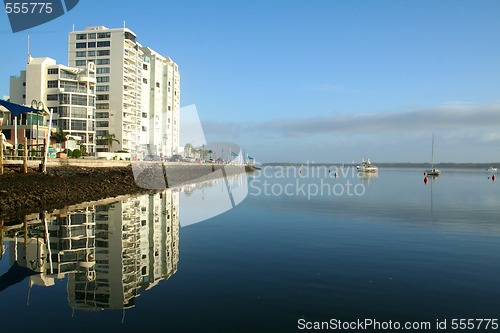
<point x="68" y="91"/>
<point x="137" y="92"/>
<point x="161" y="100"/>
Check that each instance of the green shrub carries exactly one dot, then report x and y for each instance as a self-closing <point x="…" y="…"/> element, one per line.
<point x="68" y="152"/>
<point x="77" y="153"/>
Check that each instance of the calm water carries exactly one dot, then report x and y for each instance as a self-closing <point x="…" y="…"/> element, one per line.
<point x="392" y="249"/>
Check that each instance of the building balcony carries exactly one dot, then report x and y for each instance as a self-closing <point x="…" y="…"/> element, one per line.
<point x="87" y="78"/>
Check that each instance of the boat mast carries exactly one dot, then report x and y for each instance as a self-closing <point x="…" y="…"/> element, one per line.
<point x="432" y="159"/>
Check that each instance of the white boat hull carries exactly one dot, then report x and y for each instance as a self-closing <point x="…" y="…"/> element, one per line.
<point x="433" y="172"/>
<point x="367" y="169"/>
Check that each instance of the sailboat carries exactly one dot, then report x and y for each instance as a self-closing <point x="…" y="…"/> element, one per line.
<point x="432" y="171"/>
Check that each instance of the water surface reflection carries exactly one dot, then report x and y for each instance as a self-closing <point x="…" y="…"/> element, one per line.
<point x="113" y="249"/>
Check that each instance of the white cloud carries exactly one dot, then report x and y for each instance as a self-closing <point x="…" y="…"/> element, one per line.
<point x="464" y="133"/>
<point x="449" y="117"/>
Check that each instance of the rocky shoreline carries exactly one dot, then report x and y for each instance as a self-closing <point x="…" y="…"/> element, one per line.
<point x="62" y="186"/>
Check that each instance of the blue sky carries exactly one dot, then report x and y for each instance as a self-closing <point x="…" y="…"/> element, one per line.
<point x="329" y="81"/>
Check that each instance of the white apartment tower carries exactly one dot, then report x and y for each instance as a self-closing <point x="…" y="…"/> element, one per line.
<point x="68" y="91"/>
<point x="134" y="101"/>
<point x="161" y="100"/>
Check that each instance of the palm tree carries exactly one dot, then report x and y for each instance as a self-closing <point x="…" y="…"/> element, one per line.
<point x="59" y="136"/>
<point x="109" y="139"/>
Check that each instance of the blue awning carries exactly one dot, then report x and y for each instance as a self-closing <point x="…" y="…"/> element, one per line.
<point x="17" y="109"/>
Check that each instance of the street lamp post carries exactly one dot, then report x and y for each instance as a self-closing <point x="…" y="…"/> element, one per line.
<point x="39" y="106"/>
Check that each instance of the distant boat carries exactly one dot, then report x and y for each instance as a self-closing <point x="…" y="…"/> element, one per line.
<point x="366" y="166"/>
<point x="432" y="171"/>
<point x="492" y="169"/>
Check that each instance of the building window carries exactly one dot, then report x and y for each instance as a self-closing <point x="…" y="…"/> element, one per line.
<point x="81" y="36"/>
<point x="78" y="100"/>
<point x="169" y="108"/>
<point x="157" y="84"/>
<point x="91" y="53"/>
<point x="104" y="35"/>
<point x="68" y="75"/>
<point x="52" y="71"/>
<point x="52" y="84"/>
<point x="101" y="115"/>
<point x="24" y="84"/>
<point x="81" y="45"/>
<point x="24" y="95"/>
<point x="81" y="54"/>
<point x="144" y="80"/>
<point x="144" y="115"/>
<point x="104" y="43"/>
<point x="81" y="63"/>
<point x="102" y="70"/>
<point x="101" y="133"/>
<point x="145" y="66"/>
<point x="64" y="111"/>
<point x="102" y="124"/>
<point x="102" y="88"/>
<point x="92" y="36"/>
<point x="91" y="44"/>
<point x="102" y="106"/>
<point x="102" y="97"/>
<point x="79" y="125"/>
<point x="103" y="79"/>
<point x="69" y="86"/>
<point x="52" y="97"/>
<point x="103" y="61"/>
<point x="103" y="53"/>
<point x="78" y="112"/>
<point x="64" y="98"/>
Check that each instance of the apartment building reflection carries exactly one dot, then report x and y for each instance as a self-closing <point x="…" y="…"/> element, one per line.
<point x="109" y="251"/>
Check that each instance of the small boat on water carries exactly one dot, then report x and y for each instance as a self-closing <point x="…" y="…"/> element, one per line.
<point x="492" y="169"/>
<point x="432" y="171"/>
<point x="366" y="166"/>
